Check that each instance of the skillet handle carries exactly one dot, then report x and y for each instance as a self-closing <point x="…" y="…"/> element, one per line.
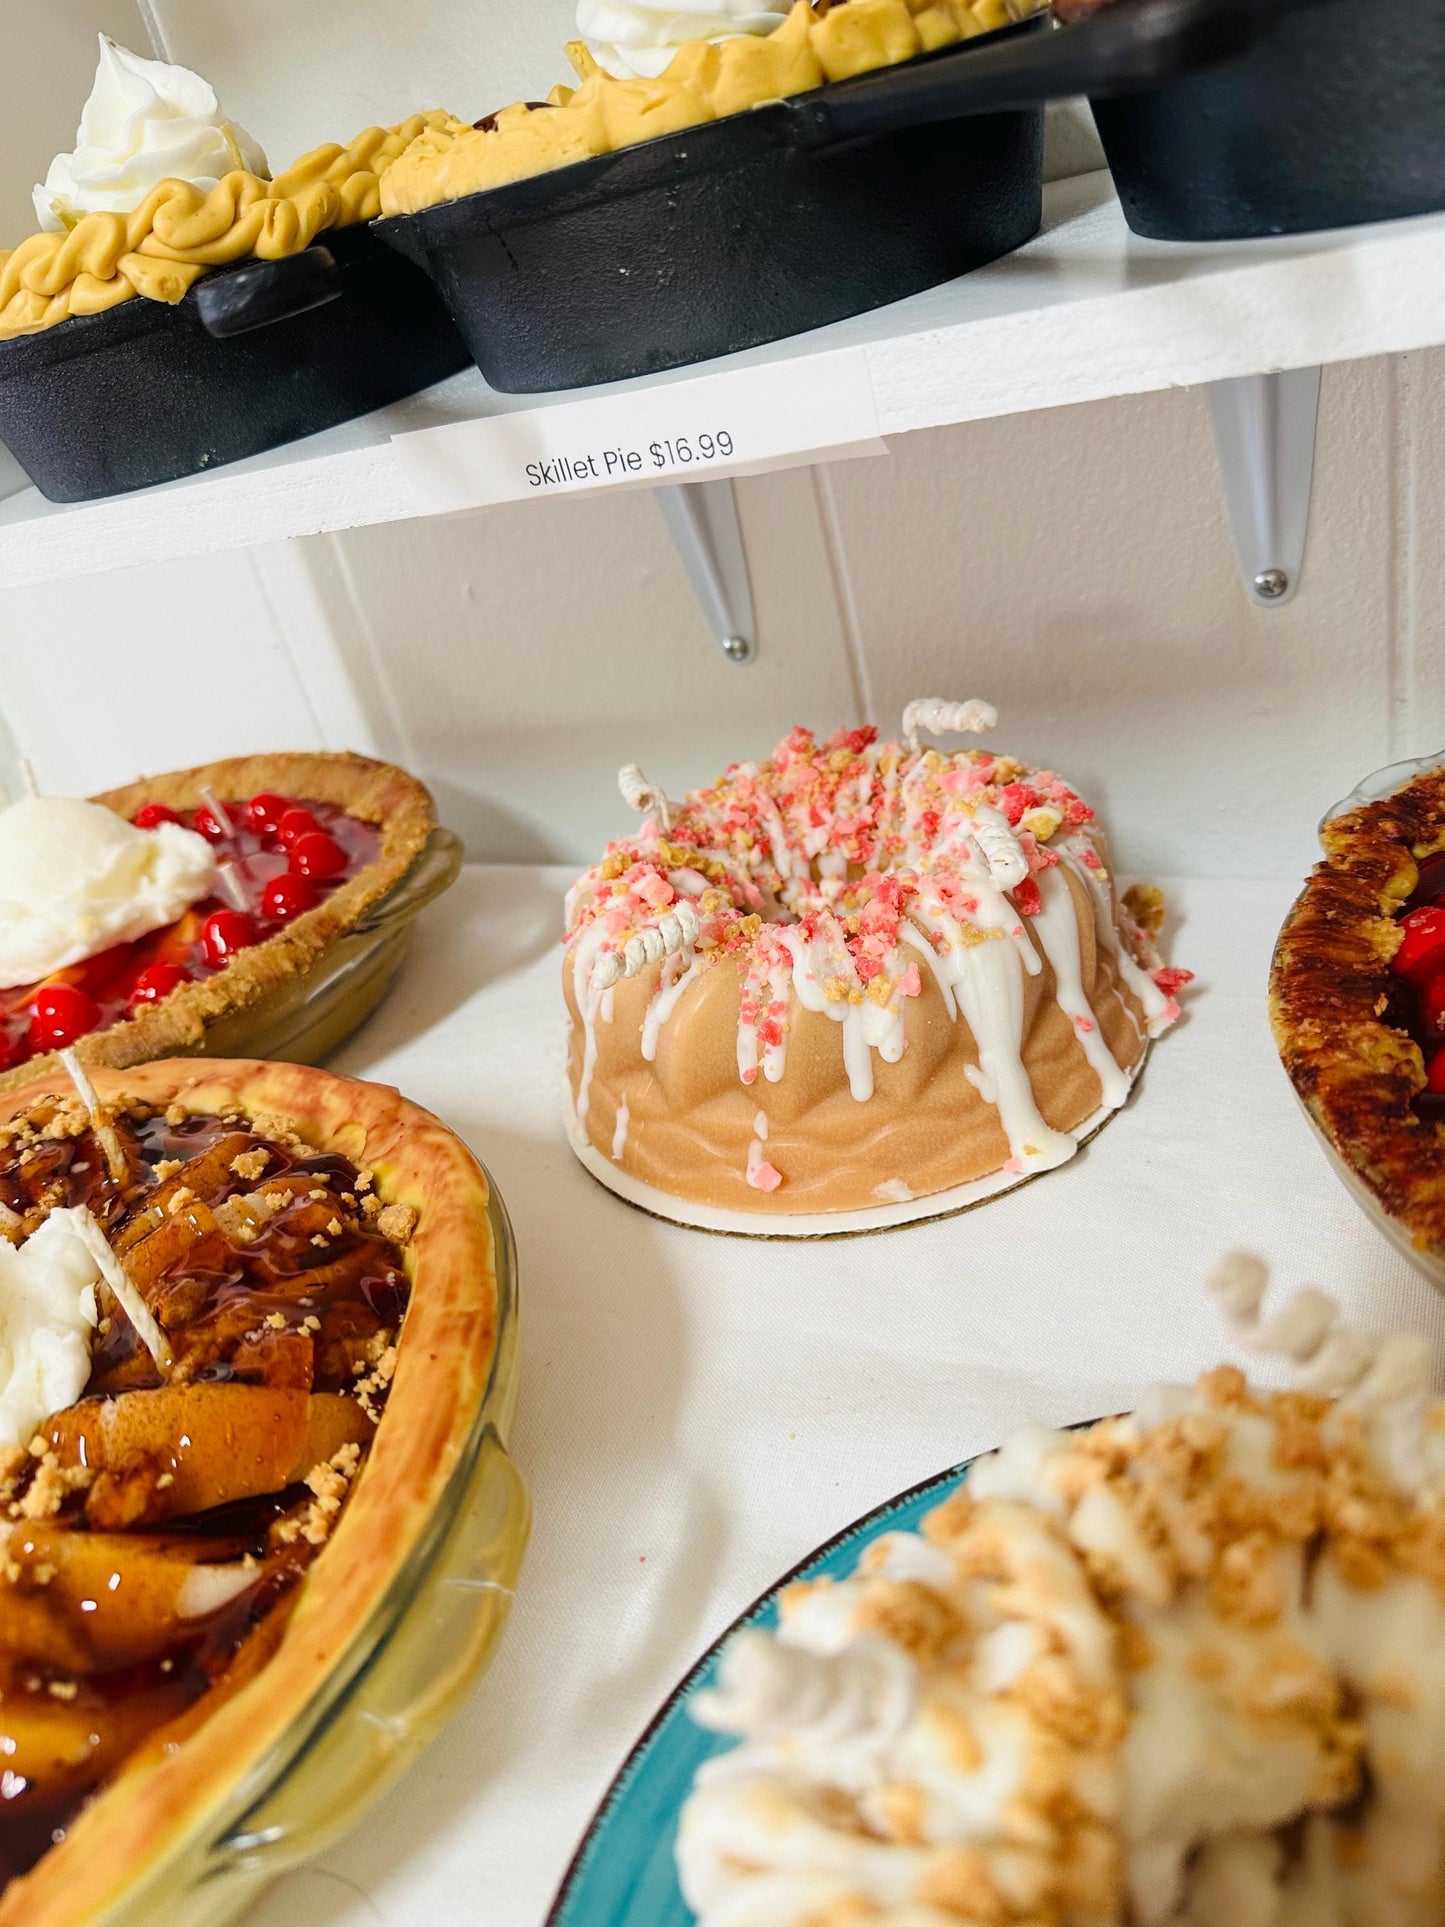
<point x="1130" y="45"/>
<point x="267" y="291"/>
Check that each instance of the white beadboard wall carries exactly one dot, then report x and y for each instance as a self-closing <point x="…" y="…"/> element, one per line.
<point x="1074" y="566"/>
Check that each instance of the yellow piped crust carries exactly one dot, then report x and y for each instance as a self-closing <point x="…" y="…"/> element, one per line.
<point x="162" y="248"/>
<point x="704" y="81"/>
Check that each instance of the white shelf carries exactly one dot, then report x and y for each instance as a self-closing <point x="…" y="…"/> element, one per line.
<point x="698" y="1412"/>
<point x="1086" y="310"/>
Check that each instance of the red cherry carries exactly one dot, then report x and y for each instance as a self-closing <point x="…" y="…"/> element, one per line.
<point x="156" y="982"/>
<point x="288" y="895"/>
<point x="150" y="816"/>
<point x="59" y="1014"/>
<point x="1432" y="1006"/>
<point x="318" y="855"/>
<point x="210" y="825"/>
<point x="1435" y="1074"/>
<point x="223" y="934"/>
<point x="1422" y="944"/>
<point x="294" y="825"/>
<point x="264" y="812"/>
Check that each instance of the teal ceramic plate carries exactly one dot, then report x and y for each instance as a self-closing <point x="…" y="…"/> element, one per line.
<point x="624" y="1874"/>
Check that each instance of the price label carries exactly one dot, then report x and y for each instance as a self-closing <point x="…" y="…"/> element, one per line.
<point x="742" y="422"/>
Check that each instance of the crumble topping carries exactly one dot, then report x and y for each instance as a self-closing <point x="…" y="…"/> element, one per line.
<point x="230" y="1466"/>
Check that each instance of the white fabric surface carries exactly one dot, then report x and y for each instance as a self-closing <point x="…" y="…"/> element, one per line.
<point x="697" y="1413"/>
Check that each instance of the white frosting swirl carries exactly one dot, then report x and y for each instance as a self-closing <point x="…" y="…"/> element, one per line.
<point x="636" y="39"/>
<point x="76" y="878"/>
<point x="47" y="1313"/>
<point x="145" y="122"/>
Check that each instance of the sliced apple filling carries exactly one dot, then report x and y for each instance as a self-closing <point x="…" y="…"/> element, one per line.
<point x="154" y="1530"/>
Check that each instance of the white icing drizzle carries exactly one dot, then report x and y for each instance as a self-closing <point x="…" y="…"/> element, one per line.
<point x="1056" y="928"/>
<point x="589" y="1001"/>
<point x="1157" y="1008"/>
<point x="773" y="1057"/>
<point x="815" y="966"/>
<point x="757" y="1165"/>
<point x="760" y="1126"/>
<point x="986" y="980"/>
<point x="677" y="975"/>
<point x="619" y="1133"/>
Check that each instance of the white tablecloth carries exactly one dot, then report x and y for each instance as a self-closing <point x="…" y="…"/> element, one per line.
<point x="697" y="1413"/>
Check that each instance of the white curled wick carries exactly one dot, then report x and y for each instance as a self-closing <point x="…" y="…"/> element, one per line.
<point x="642" y="796"/>
<point x="1001" y="849"/>
<point x="675" y="931"/>
<point x="863" y="1696"/>
<point x="1327" y="1356"/>
<point x="940" y="718"/>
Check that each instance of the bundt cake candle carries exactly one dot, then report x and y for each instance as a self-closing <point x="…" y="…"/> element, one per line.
<point x="860" y="979"/>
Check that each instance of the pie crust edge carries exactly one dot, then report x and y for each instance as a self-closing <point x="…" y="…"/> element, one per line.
<point x="380" y="794"/>
<point x="1356" y="1073"/>
<point x="446" y="1354"/>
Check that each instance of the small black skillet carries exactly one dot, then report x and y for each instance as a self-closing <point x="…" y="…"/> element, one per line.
<point x="254" y="356"/>
<point x="1334" y="116"/>
<point x="791" y="215"/>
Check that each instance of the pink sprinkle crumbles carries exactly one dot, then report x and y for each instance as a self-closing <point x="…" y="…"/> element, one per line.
<point x="1016" y="800"/>
<point x="1172" y="979"/>
<point x="1082" y="1023"/>
<point x="763" y="1176"/>
<point x="910" y="984"/>
<point x="1029" y="898"/>
<point x="1090" y="859"/>
<point x="655" y="890"/>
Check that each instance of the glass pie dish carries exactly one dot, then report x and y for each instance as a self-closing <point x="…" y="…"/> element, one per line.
<point x="390" y="1690"/>
<point x="397" y="1615"/>
<point x="1343" y="1016"/>
<point x="309" y="1015"/>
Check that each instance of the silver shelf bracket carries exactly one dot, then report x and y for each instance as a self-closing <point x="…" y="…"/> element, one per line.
<point x="702" y="519"/>
<point x="1264" y="438"/>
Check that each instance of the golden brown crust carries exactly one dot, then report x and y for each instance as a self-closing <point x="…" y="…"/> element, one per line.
<point x="1331" y="1001"/>
<point x="445" y="1359"/>
<point x="393" y="802"/>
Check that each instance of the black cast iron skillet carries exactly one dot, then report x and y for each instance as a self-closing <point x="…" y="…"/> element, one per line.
<point x="788" y="216"/>
<point x="254" y="356"/>
<point x="1336" y="116"/>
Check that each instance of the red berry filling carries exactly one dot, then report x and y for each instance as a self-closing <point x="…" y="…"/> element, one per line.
<point x="150" y="816"/>
<point x="130" y="977"/>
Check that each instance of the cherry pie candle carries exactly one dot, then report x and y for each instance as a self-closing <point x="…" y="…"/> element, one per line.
<point x="279" y="856"/>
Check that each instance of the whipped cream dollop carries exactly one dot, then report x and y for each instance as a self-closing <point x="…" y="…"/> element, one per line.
<point x="635" y="40"/>
<point x="76" y="878"/>
<point x="47" y="1313"/>
<point x="145" y="122"/>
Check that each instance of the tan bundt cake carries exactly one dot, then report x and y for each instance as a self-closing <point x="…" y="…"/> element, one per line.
<point x="854" y="976"/>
